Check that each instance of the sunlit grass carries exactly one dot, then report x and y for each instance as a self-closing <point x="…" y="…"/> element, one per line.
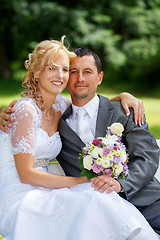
<point x="4" y="101"/>
<point x="152" y="111"/>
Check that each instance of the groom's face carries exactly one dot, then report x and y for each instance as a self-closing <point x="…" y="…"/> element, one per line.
<point x="84" y="79"/>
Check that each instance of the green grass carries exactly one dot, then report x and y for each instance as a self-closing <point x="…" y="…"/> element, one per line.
<point x="9" y="90"/>
<point x="1" y="237"/>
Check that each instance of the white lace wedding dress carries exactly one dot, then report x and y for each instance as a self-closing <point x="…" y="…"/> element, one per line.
<point x="29" y="212"/>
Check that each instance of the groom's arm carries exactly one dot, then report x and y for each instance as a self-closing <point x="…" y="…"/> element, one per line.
<point x="143" y="157"/>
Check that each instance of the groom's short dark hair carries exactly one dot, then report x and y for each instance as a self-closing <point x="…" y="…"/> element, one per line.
<point x="86" y="52"/>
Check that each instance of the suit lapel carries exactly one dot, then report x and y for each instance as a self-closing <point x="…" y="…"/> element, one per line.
<point x="104" y="116"/>
<point x="66" y="131"/>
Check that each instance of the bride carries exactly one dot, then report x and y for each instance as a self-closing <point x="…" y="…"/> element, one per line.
<point x="35" y="204"/>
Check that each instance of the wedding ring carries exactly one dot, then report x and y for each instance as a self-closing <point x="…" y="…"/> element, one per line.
<point x="111" y="182"/>
<point x="142" y="110"/>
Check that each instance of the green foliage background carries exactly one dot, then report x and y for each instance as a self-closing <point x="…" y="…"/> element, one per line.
<point x="125" y="34"/>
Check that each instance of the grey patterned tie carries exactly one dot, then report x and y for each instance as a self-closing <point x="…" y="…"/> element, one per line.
<point x="83" y="126"/>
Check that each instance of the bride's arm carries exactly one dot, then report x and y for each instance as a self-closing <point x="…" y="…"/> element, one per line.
<point x="23" y="147"/>
<point x="129" y="101"/>
<point x="28" y="174"/>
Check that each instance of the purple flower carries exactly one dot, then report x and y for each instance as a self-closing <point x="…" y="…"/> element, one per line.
<point x="108" y="132"/>
<point x="97" y="168"/>
<point x="86" y="148"/>
<point x="125" y="169"/>
<point x="117" y="160"/>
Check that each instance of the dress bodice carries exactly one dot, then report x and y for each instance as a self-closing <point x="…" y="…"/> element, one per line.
<point x="31" y="138"/>
<point x="46" y="148"/>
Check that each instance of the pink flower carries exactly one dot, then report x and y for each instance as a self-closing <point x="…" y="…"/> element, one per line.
<point x="97" y="168"/>
<point x="96" y="142"/>
<point x="108" y="172"/>
<point x="115" y="148"/>
<point x="106" y="151"/>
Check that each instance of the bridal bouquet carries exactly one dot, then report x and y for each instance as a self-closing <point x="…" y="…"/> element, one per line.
<point x="105" y="155"/>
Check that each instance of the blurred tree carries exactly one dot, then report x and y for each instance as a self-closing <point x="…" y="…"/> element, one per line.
<point x="126" y="34"/>
<point x="6" y="47"/>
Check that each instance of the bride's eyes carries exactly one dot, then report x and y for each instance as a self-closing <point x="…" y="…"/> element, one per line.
<point x="65" y="69"/>
<point x="52" y="68"/>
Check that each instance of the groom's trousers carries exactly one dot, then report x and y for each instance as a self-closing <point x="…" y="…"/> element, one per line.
<point x="152" y="215"/>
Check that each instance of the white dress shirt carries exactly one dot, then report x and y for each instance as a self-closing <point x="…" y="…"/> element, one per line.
<point x="92" y="111"/>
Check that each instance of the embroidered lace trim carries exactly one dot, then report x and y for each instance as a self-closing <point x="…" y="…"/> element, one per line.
<point x="41" y="163"/>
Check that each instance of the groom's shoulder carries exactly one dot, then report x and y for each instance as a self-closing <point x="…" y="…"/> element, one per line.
<point x="115" y="105"/>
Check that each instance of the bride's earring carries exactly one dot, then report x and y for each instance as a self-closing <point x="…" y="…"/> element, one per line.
<point x="36" y="80"/>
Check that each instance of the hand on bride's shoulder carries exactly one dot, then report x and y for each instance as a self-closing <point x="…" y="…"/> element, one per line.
<point x="5" y="118"/>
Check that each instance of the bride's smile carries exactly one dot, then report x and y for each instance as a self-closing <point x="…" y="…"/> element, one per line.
<point x="54" y="77"/>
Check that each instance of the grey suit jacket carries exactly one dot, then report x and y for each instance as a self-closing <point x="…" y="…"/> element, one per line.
<point x="140" y="186"/>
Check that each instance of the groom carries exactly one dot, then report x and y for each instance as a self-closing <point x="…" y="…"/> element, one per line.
<point x="140" y="187"/>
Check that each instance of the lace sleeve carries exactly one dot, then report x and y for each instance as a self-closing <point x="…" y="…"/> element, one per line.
<point x="22" y="132"/>
<point x="61" y="103"/>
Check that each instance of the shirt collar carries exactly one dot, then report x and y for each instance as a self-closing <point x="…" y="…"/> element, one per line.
<point x="91" y="107"/>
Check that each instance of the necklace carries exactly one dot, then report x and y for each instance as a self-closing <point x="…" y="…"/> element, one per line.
<point x="49" y="115"/>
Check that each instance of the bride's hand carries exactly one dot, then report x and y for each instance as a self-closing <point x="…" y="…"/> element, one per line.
<point x="129" y="101"/>
<point x="5" y="118"/>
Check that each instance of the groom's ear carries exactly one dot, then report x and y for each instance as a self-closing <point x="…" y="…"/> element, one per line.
<point x="100" y="78"/>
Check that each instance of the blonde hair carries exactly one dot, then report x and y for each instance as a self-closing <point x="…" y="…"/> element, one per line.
<point x="45" y="53"/>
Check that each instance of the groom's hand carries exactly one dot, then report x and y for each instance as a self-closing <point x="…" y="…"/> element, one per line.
<point x="105" y="183"/>
<point x="5" y="118"/>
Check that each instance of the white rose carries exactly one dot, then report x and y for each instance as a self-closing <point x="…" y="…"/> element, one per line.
<point x="87" y="162"/>
<point x="117" y="128"/>
<point x="118" y="169"/>
<point x="105" y="141"/>
<point x="113" y="138"/>
<point x="96" y="151"/>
